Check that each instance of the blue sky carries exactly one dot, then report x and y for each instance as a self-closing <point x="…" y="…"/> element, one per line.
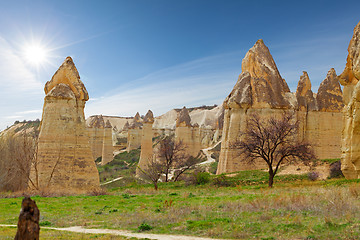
<point x="137" y="55"/>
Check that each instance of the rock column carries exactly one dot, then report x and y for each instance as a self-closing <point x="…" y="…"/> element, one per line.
<point x="146" y="142"/>
<point x="64" y="160"/>
<point x="350" y="157"/>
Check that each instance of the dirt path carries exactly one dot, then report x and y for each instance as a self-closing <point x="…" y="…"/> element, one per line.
<point x="208" y="155"/>
<point x="124" y="233"/>
<point x="114" y="180"/>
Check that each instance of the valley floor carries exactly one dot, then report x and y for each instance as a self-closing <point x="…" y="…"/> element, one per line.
<point x="295" y="208"/>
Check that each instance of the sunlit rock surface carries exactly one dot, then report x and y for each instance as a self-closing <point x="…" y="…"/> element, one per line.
<point x="64" y="159"/>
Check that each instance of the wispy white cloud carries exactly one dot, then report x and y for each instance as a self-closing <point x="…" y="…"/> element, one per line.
<point x="20" y="90"/>
<point x="203" y="81"/>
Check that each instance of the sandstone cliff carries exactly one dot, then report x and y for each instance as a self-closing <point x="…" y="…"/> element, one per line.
<point x="64" y="159"/>
<point x="261" y="89"/>
<point x="350" y="158"/>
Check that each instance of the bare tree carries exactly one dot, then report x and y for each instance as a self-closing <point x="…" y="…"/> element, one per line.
<point x="274" y="141"/>
<point x="17" y="153"/>
<point x="171" y="153"/>
<point x="189" y="163"/>
<point x="153" y="170"/>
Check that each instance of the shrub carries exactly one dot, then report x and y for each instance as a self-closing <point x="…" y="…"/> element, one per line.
<point x="144" y="227"/>
<point x="313" y="176"/>
<point x="222" y="181"/>
<point x="335" y="170"/>
<point x="202" y="178"/>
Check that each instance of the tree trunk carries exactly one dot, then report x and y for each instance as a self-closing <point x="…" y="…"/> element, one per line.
<point x="271" y="179"/>
<point x="156" y="186"/>
<point x="166" y="174"/>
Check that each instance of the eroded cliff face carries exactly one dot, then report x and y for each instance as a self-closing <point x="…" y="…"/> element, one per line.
<point x="350" y="157"/>
<point x="64" y="159"/>
<point x="260" y="89"/>
<point x="146" y="143"/>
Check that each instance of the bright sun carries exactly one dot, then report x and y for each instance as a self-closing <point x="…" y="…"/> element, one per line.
<point x="35" y="54"/>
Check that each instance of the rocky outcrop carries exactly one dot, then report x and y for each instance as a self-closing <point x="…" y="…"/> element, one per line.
<point x="28" y="225"/>
<point x="304" y="95"/>
<point x="260" y="89"/>
<point x="64" y="159"/>
<point x="134" y="133"/>
<point x="107" y="147"/>
<point x="350" y="157"/>
<point x="329" y="97"/>
<point x="146" y="143"/>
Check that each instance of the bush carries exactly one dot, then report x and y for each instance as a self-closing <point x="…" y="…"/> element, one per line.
<point x="144" y="227"/>
<point x="222" y="181"/>
<point x="202" y="178"/>
<point x="335" y="170"/>
<point x="313" y="176"/>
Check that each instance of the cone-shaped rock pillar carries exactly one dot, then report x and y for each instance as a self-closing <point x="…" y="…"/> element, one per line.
<point x="64" y="159"/>
<point x="146" y="143"/>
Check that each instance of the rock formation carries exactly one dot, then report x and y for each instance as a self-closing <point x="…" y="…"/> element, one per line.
<point x="350" y="158"/>
<point x="64" y="159"/>
<point x="107" y="147"/>
<point x="96" y="135"/>
<point x="304" y="95"/>
<point x="186" y="133"/>
<point x="28" y="224"/>
<point x="322" y="125"/>
<point x="146" y="142"/>
<point x="261" y="89"/>
<point x="134" y="133"/>
<point x="329" y="97"/>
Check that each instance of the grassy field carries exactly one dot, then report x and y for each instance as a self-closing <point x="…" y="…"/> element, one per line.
<point x="241" y="207"/>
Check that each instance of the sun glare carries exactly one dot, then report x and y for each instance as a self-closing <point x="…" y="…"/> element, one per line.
<point x="35" y="54"/>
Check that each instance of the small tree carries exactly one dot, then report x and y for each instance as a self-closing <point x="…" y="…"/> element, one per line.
<point x="153" y="170"/>
<point x="171" y="153"/>
<point x="189" y="163"/>
<point x="274" y="141"/>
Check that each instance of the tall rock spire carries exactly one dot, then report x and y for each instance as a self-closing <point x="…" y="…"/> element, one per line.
<point x="64" y="159"/>
<point x="329" y="97"/>
<point x="304" y="95"/>
<point x="260" y="84"/>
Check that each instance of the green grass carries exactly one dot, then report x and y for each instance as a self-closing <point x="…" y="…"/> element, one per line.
<point x="330" y="161"/>
<point x="123" y="165"/>
<point x="295" y="208"/>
